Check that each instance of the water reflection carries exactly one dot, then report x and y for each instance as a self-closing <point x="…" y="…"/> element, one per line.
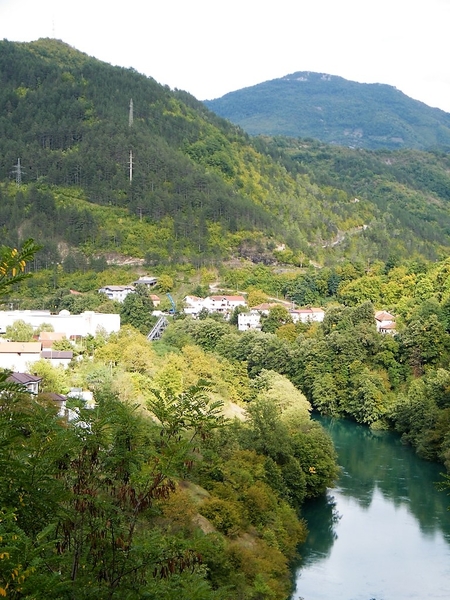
<point x="384" y="531"/>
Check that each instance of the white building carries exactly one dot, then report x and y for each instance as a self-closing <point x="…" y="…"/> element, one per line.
<point x="117" y="292"/>
<point x="17" y="356"/>
<point x="88" y="323"/>
<point x="385" y="322"/>
<point x="223" y="304"/>
<point x="193" y="305"/>
<point x="307" y="315"/>
<point x="250" y="320"/>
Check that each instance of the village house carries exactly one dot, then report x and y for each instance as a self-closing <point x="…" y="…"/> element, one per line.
<point x="265" y="307"/>
<point x="223" y="304"/>
<point x="307" y="315"/>
<point x="48" y="338"/>
<point x="20" y="356"/>
<point x="30" y="382"/>
<point x="213" y="304"/>
<point x="249" y="320"/>
<point x="57" y="358"/>
<point x="193" y="305"/>
<point x="116" y="292"/>
<point x="385" y="322"/>
<point x="147" y="281"/>
<point x="16" y="356"/>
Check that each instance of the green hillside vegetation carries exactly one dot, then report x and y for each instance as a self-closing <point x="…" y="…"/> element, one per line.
<point x="202" y="191"/>
<point x="336" y="111"/>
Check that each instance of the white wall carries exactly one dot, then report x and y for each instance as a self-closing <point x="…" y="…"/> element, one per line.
<point x="85" y="324"/>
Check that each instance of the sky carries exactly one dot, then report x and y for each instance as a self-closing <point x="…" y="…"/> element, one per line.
<point x="212" y="47"/>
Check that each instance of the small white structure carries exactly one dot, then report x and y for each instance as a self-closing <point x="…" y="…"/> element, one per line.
<point x="88" y="323"/>
<point x="249" y="320"/>
<point x="385" y="322"/>
<point x="117" y="292"/>
<point x="307" y="315"/>
<point x="85" y="395"/>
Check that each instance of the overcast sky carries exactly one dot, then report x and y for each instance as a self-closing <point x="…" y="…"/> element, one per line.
<point x="211" y="47"/>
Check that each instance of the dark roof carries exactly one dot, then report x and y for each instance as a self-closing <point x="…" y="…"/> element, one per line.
<point x="23" y="378"/>
<point x="57" y="354"/>
<point x="55" y="397"/>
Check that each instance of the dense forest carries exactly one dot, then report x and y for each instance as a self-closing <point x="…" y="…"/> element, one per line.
<point x="336" y="111"/>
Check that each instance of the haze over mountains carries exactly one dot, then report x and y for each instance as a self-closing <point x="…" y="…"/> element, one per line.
<point x="337" y="111"/>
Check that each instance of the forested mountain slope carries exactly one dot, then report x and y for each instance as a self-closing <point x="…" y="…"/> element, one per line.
<point x="335" y="110"/>
<point x="98" y="160"/>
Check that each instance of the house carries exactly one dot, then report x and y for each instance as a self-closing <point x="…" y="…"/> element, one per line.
<point x="30" y="382"/>
<point x="47" y="338"/>
<point x="193" y="305"/>
<point x="147" y="281"/>
<point x="265" y="307"/>
<point x="307" y="315"/>
<point x="155" y="299"/>
<point x="223" y="304"/>
<point x="249" y="320"/>
<point x="117" y="292"/>
<point x="385" y="322"/>
<point x="16" y="356"/>
<point x="57" y="358"/>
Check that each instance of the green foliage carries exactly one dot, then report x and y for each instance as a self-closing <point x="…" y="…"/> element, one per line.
<point x="19" y="331"/>
<point x="136" y="310"/>
<point x="335" y="110"/>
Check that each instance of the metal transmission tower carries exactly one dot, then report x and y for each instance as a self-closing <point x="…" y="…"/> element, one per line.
<point x="18" y="172"/>
<point x="131" y="166"/>
<point x="130" y="115"/>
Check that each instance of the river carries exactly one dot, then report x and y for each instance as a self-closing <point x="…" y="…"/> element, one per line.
<point x="383" y="533"/>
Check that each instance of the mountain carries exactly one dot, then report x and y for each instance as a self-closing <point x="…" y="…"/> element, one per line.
<point x="100" y="163"/>
<point x="337" y="111"/>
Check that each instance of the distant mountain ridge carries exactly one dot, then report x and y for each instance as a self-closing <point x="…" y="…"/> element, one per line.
<point x="337" y="111"/>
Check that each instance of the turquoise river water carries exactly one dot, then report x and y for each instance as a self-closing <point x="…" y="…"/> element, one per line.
<point x="384" y="532"/>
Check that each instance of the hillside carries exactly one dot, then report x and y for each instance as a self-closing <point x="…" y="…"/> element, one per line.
<point x="99" y="161"/>
<point x="196" y="181"/>
<point x="337" y="111"/>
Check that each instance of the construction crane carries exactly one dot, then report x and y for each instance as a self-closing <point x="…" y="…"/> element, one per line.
<point x="173" y="310"/>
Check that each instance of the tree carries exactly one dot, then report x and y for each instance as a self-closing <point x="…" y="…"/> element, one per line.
<point x="19" y="331"/>
<point x="137" y="310"/>
<point x="165" y="283"/>
<point x="278" y="316"/>
<point x="13" y="263"/>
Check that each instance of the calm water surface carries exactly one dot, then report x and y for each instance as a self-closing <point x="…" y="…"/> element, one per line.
<point x="384" y="532"/>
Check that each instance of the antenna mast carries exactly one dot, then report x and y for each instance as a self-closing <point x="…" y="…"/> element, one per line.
<point x="131" y="166"/>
